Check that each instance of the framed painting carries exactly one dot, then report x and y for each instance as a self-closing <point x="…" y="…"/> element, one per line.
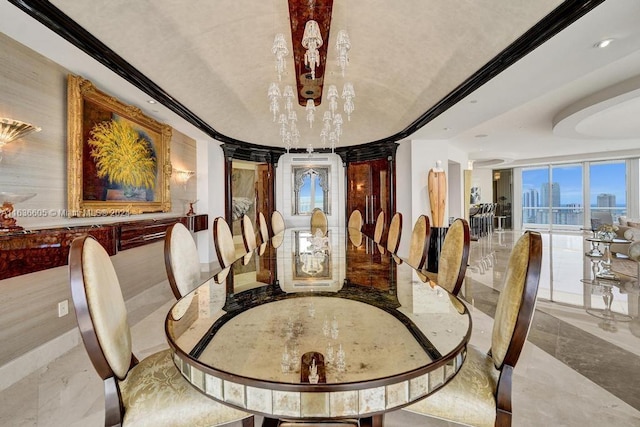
<point x="118" y="158"/>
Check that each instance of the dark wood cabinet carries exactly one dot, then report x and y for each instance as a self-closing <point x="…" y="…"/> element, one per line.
<point x="370" y="190"/>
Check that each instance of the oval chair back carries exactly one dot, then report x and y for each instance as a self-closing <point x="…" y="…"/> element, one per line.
<point x="355" y="220"/>
<point x="277" y="222"/>
<point x="150" y="391"/>
<point x="454" y="256"/>
<point x="318" y="221"/>
<point x="480" y="394"/>
<point x="395" y="233"/>
<point x="223" y="242"/>
<point x="419" y="246"/>
<point x="264" y="228"/>
<point x="181" y="260"/>
<point x="248" y="234"/>
<point x="378" y="233"/>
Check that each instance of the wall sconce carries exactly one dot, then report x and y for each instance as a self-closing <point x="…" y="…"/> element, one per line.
<point x="11" y="130"/>
<point x="183" y="176"/>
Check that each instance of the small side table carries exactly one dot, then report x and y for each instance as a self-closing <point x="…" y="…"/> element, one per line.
<point x="605" y="271"/>
<point x="500" y="218"/>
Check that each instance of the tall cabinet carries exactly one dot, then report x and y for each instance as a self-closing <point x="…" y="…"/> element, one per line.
<point x="370" y="182"/>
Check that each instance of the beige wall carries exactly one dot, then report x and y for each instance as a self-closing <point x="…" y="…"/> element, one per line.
<point x="33" y="89"/>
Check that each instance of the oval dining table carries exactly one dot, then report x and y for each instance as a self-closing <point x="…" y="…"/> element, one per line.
<point x="318" y="327"/>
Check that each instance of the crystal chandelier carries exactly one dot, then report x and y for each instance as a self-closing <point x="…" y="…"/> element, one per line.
<point x="280" y="50"/>
<point x="343" y="45"/>
<point x="312" y="40"/>
<point x="311" y="109"/>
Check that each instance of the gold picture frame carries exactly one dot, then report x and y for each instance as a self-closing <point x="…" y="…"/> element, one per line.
<point x="104" y="135"/>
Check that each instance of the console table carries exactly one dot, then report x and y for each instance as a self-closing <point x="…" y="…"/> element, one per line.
<point x="28" y="251"/>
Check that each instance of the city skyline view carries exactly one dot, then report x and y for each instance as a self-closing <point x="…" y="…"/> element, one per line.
<point x="605" y="178"/>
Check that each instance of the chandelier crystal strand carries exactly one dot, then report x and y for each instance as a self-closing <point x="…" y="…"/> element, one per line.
<point x="343" y="45"/>
<point x="337" y="125"/>
<point x="311" y="109"/>
<point x="312" y="40"/>
<point x="348" y="94"/>
<point x="274" y="99"/>
<point x="280" y="51"/>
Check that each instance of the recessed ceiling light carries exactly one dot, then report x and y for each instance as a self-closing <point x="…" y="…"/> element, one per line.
<point x="481" y="135"/>
<point x="603" y="43"/>
<point x="151" y="101"/>
<point x="473" y="101"/>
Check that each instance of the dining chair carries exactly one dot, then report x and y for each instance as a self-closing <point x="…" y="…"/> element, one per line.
<point x="248" y="234"/>
<point x="277" y="222"/>
<point x="419" y="246"/>
<point x="147" y="392"/>
<point x="355" y="220"/>
<point x="480" y="394"/>
<point x="395" y="232"/>
<point x="181" y="260"/>
<point x="223" y="242"/>
<point x="263" y="227"/>
<point x="318" y="221"/>
<point x="378" y="233"/>
<point x="454" y="256"/>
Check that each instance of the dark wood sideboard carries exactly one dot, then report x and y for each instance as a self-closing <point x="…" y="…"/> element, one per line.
<point x="34" y="250"/>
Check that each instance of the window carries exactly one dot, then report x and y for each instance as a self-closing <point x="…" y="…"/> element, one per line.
<point x="310" y="189"/>
<point x="607" y="188"/>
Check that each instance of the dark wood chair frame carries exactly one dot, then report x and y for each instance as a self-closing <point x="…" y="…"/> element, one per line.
<point x="169" y="264"/>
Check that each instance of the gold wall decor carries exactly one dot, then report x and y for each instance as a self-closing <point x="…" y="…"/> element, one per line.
<point x="118" y="158"/>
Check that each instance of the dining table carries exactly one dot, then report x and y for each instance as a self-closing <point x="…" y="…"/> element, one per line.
<point x="312" y="326"/>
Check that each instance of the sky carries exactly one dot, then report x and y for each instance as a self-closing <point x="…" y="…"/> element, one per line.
<point x="605" y="178"/>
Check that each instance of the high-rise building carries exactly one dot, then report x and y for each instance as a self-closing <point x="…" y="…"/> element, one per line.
<point x="555" y="194"/>
<point x="606" y="200"/>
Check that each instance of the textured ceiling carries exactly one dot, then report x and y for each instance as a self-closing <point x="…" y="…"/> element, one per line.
<point x="214" y="57"/>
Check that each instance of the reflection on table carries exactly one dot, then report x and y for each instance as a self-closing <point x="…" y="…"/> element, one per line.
<point x="336" y="305"/>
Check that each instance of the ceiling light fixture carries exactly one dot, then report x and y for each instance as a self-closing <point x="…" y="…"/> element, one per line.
<point x="280" y="51"/>
<point x="312" y="40"/>
<point x="603" y="43"/>
<point x="343" y="44"/>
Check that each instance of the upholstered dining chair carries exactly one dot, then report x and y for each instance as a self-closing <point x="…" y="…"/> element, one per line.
<point x="378" y="233"/>
<point x="263" y="227"/>
<point x="147" y="392"/>
<point x="223" y="242"/>
<point x="319" y="221"/>
<point x="355" y="220"/>
<point x="480" y="394"/>
<point x="454" y="257"/>
<point x="248" y="233"/>
<point x="277" y="222"/>
<point x="181" y="260"/>
<point x="419" y="246"/>
<point x="395" y="232"/>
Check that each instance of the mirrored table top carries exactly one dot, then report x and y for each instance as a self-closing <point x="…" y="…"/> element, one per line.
<point x="379" y="336"/>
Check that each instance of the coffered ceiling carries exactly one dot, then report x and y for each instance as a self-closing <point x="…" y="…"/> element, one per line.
<point x="421" y="69"/>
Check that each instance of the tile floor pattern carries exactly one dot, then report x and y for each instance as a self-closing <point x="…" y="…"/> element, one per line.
<point x="573" y="371"/>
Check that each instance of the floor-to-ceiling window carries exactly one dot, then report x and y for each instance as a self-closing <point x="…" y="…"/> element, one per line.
<point x="554" y="196"/>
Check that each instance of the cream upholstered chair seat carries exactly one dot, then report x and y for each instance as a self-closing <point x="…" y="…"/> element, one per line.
<point x="475" y="384"/>
<point x="150" y="392"/>
<point x="155" y="394"/>
<point x="181" y="260"/>
<point x="480" y="394"/>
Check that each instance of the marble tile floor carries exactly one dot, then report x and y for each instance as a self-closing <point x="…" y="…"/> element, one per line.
<point x="568" y="375"/>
